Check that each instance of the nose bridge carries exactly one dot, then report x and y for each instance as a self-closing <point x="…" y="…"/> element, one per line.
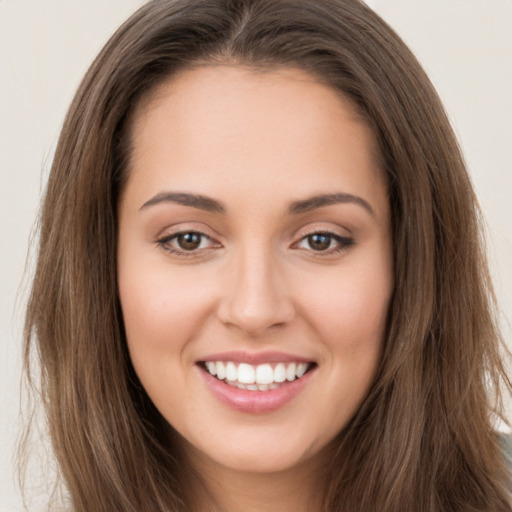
<point x="256" y="297"/>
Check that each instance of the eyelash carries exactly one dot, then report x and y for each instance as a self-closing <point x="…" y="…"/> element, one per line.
<point x="166" y="243"/>
<point x="343" y="243"/>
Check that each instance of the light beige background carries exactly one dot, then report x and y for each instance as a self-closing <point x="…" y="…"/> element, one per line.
<point x="46" y="46"/>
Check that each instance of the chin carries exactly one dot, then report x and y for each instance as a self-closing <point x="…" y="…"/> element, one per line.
<point x="259" y="454"/>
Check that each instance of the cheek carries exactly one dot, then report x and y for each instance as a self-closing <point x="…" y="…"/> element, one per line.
<point x="160" y="315"/>
<point x="349" y="311"/>
<point x="160" y="306"/>
<point x="352" y="307"/>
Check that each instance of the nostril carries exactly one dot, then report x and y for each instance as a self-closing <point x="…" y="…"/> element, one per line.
<point x="256" y="318"/>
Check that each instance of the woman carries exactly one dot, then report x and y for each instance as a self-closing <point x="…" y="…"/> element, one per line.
<point x="260" y="283"/>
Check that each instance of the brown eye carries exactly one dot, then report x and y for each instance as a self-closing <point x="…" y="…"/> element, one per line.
<point x="324" y="243"/>
<point x="189" y="241"/>
<point x="319" y="241"/>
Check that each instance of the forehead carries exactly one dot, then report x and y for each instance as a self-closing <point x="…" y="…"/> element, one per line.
<point x="213" y="125"/>
<point x="236" y="79"/>
<point x="238" y="96"/>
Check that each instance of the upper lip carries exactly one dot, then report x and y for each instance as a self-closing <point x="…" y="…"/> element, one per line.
<point x="255" y="358"/>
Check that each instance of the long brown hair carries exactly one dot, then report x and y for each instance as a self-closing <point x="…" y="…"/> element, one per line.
<point x="423" y="440"/>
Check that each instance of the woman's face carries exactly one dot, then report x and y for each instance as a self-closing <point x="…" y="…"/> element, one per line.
<point x="255" y="265"/>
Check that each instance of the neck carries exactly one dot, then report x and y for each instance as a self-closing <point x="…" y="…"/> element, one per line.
<point x="229" y="490"/>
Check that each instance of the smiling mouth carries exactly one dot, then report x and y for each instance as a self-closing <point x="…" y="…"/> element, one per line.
<point x="261" y="377"/>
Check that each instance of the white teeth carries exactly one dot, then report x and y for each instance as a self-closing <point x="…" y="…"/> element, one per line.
<point x="261" y="377"/>
<point x="246" y="374"/>
<point x="290" y="372"/>
<point x="301" y="369"/>
<point x="280" y="373"/>
<point x="211" y="367"/>
<point x="221" y="371"/>
<point x="264" y="374"/>
<point x="231" y="371"/>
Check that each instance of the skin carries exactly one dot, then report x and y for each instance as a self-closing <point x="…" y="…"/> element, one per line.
<point x="255" y="142"/>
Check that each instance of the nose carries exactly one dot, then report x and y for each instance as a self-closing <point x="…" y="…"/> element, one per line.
<point x="256" y="297"/>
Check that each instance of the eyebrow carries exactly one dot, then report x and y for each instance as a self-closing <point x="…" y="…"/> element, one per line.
<point x="319" y="201"/>
<point x="194" y="200"/>
<point x="302" y="206"/>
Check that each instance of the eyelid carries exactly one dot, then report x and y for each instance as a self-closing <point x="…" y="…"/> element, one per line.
<point x="182" y="227"/>
<point x="164" y="241"/>
<point x="344" y="242"/>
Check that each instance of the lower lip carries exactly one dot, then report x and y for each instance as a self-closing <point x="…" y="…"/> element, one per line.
<point x="255" y="402"/>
